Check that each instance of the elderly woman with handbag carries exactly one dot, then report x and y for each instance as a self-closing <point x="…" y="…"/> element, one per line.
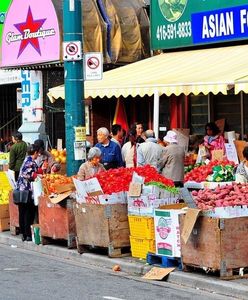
<point x="22" y="195"/>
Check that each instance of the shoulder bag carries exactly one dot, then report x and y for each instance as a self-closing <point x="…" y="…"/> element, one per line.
<point x="21" y="196"/>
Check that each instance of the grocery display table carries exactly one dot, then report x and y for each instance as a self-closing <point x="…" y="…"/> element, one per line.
<point x="217" y="244"/>
<point x="13" y="215"/>
<point x="57" y="221"/>
<point x="103" y="226"/>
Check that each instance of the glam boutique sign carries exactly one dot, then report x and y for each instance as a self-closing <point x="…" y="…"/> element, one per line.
<point x="30" y="34"/>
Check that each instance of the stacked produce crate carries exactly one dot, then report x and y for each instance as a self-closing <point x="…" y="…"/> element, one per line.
<point x="141" y="218"/>
<point x="4" y="200"/>
<point x="142" y="235"/>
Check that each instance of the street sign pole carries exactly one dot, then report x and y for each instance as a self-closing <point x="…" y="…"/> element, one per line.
<point x="73" y="77"/>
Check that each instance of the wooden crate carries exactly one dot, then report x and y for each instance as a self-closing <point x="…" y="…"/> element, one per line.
<point x="4" y="211"/>
<point x="13" y="215"/>
<point x="4" y="224"/>
<point x="57" y="221"/>
<point x="102" y="226"/>
<point x="217" y="245"/>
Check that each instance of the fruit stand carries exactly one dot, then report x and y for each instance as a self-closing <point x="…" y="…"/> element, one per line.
<point x="103" y="226"/>
<point x="101" y="215"/>
<point x="217" y="240"/>
<point x="57" y="221"/>
<point x="56" y="218"/>
<point x="217" y="244"/>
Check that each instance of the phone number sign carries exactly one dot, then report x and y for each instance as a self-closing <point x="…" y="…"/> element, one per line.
<point x="187" y="23"/>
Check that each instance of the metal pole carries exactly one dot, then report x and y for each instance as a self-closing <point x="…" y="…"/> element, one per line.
<point x="156" y="113"/>
<point x="242" y="114"/>
<point x="74" y="83"/>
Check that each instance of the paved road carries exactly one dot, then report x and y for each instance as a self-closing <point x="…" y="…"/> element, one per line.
<point x="28" y="275"/>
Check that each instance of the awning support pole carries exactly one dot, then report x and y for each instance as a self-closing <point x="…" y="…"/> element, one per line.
<point x="242" y="114"/>
<point x="156" y="113"/>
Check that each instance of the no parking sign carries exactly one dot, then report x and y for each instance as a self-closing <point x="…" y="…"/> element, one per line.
<point x="93" y="66"/>
<point x="72" y="50"/>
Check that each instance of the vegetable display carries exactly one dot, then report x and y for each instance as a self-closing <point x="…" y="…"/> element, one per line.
<point x="206" y="172"/>
<point x="190" y="167"/>
<point x="118" y="180"/>
<point x="222" y="196"/>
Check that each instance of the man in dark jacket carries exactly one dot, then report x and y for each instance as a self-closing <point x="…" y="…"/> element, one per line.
<point x="111" y="152"/>
<point x="17" y="153"/>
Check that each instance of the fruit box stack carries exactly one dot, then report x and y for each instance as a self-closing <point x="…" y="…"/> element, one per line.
<point x="150" y="197"/>
<point x="167" y="232"/>
<point x="5" y="188"/>
<point x="4" y="217"/>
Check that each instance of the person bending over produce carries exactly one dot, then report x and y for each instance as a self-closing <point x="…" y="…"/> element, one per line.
<point x="92" y="166"/>
<point x="45" y="159"/>
<point x="241" y="175"/>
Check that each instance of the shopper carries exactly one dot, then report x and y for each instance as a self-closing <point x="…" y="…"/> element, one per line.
<point x="28" y="173"/>
<point x="129" y="150"/>
<point x="17" y="153"/>
<point x="111" y="152"/>
<point x="140" y="136"/>
<point x="117" y="134"/>
<point x="45" y="159"/>
<point x="92" y="166"/>
<point x="150" y="152"/>
<point x="213" y="140"/>
<point x="172" y="161"/>
<point x="241" y="175"/>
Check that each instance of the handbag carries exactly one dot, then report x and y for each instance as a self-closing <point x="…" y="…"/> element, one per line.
<point x="21" y="196"/>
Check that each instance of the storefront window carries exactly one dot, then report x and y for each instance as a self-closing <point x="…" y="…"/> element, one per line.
<point x="246" y="115"/>
<point x="228" y="107"/>
<point x="198" y="114"/>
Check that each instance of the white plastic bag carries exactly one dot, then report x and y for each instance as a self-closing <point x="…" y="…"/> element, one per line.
<point x="37" y="190"/>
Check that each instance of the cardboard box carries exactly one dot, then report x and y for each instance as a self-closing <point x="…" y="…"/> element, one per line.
<point x="4" y="224"/>
<point x="60" y="189"/>
<point x="4" y="211"/>
<point x="150" y="190"/>
<point x="114" y="198"/>
<point x="143" y="205"/>
<point x="205" y="184"/>
<point x="167" y="233"/>
<point x="214" y="185"/>
<point x="227" y="212"/>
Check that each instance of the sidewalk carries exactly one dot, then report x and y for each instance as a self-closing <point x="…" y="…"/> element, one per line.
<point x="235" y="288"/>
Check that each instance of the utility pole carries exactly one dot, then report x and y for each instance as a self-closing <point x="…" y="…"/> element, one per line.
<point x="73" y="77"/>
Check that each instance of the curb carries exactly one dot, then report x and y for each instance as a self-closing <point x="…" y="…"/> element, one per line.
<point x="133" y="267"/>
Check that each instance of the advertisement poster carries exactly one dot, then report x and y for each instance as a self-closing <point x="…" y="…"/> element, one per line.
<point x="30" y="35"/>
<point x="32" y="99"/>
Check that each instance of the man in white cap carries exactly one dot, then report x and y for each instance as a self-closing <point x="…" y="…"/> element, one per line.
<point x="149" y="152"/>
<point x="172" y="161"/>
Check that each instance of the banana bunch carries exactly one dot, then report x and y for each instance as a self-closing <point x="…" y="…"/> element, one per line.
<point x="4" y="196"/>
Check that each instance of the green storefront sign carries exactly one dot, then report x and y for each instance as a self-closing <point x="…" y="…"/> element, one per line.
<point x="4" y="6"/>
<point x="184" y="23"/>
